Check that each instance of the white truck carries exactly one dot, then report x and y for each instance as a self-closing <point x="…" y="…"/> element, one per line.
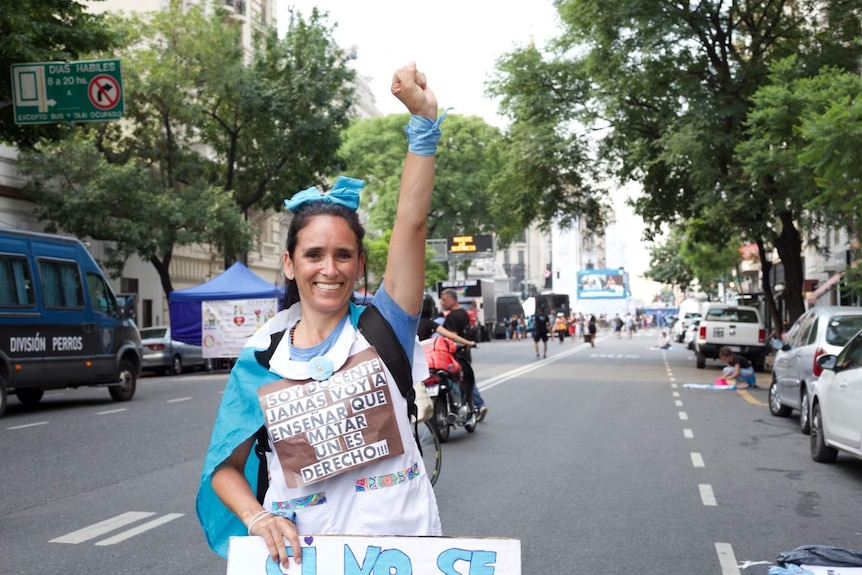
<point x="738" y="327"/>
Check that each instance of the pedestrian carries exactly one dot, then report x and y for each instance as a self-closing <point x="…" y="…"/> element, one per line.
<point x="541" y="327"/>
<point x="522" y="328"/>
<point x="618" y="326"/>
<point x="738" y="371"/>
<point x="315" y="339"/>
<point x="560" y="327"/>
<point x="664" y="340"/>
<point x="629" y="325"/>
<point x="591" y="329"/>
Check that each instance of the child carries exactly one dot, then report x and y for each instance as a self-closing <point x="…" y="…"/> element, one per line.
<point x="738" y="370"/>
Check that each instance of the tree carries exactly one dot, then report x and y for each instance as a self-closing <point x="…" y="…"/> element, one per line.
<point x="667" y="265"/>
<point x="375" y="262"/>
<point x="275" y="126"/>
<point x="668" y="84"/>
<point x="546" y="172"/>
<point x="467" y="159"/>
<point x="44" y="31"/>
<point x="150" y="183"/>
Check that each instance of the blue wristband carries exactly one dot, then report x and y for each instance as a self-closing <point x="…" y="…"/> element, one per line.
<point x="423" y="134"/>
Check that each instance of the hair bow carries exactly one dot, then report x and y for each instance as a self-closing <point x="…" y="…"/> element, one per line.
<point x="345" y="192"/>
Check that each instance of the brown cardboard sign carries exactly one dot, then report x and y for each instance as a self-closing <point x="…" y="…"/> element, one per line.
<point x="321" y="429"/>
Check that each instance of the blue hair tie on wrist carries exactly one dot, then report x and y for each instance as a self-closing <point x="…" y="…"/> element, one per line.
<point x="345" y="192"/>
<point x="423" y="134"/>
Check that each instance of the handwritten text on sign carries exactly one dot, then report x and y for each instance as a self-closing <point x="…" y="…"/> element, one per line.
<point x="323" y="428"/>
<point x="347" y="555"/>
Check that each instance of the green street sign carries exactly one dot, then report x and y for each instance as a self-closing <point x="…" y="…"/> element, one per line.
<point x="84" y="91"/>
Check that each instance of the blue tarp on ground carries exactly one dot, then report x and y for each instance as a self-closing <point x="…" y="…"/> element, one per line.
<point x="236" y="282"/>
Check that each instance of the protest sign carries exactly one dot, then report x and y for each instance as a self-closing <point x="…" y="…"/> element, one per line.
<point x="355" y="555"/>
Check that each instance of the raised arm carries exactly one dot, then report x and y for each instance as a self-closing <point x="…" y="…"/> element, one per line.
<point x="404" y="278"/>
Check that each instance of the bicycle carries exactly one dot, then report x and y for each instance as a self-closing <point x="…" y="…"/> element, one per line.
<point x="429" y="447"/>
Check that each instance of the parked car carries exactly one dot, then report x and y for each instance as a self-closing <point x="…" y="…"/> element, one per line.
<point x="165" y="355"/>
<point x="690" y="335"/>
<point x="819" y="331"/>
<point x="738" y="327"/>
<point x="836" y="404"/>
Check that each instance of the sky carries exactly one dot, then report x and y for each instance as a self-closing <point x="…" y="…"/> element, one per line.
<point x="455" y="42"/>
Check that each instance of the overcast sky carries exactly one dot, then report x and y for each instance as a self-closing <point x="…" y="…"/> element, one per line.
<point x="455" y="42"/>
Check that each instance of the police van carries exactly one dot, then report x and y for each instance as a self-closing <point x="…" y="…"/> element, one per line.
<point x="60" y="323"/>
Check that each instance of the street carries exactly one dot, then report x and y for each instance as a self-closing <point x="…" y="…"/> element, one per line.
<point x="598" y="459"/>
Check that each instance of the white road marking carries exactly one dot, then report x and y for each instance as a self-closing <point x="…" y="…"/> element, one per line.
<point x="179" y="399"/>
<point x="678" y="403"/>
<point x="110" y="411"/>
<point x="683" y="416"/>
<point x="675" y="394"/>
<point x="673" y="385"/>
<point x="26" y="425"/>
<point x="697" y="459"/>
<point x="102" y="527"/>
<point x="140" y="529"/>
<point x="706" y="495"/>
<point x="687" y="433"/>
<point x="727" y="559"/>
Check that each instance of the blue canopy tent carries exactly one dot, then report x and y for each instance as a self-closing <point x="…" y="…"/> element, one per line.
<point x="236" y="282"/>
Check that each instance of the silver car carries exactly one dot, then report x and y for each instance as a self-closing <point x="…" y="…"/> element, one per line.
<point x="836" y="405"/>
<point x="819" y="331"/>
<point x="164" y="355"/>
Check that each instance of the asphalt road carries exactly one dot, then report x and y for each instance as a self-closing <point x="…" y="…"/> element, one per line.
<point x="599" y="460"/>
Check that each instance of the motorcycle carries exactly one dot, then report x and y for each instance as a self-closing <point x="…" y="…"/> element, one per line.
<point x="450" y="410"/>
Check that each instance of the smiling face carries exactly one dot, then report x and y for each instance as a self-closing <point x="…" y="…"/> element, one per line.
<point x="325" y="263"/>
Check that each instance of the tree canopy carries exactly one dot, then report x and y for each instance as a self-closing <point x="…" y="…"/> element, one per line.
<point x="467" y="159"/>
<point x="205" y="137"/>
<point x="666" y="88"/>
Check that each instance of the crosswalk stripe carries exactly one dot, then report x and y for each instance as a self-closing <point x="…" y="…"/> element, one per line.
<point x="140" y="529"/>
<point x="102" y="527"/>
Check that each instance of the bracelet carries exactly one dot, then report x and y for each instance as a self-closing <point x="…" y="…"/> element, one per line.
<point x="423" y="134"/>
<point x="255" y="519"/>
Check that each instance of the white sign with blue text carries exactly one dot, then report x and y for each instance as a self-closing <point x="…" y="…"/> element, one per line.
<point x="355" y="555"/>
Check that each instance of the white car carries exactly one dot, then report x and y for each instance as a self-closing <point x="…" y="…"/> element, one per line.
<point x="682" y="325"/>
<point x="836" y="405"/>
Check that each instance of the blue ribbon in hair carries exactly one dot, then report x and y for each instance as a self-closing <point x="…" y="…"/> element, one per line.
<point x="345" y="192"/>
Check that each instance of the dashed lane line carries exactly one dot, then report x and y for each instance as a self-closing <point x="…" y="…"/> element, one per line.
<point x="140" y="529"/>
<point x="110" y="411"/>
<point x="697" y="459"/>
<point x="102" y="527"/>
<point x="727" y="559"/>
<point x="706" y="495"/>
<point x="683" y="416"/>
<point x="26" y="425"/>
<point x="688" y="433"/>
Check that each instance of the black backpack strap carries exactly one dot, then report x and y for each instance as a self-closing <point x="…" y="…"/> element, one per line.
<point x="261" y="447"/>
<point x="380" y="334"/>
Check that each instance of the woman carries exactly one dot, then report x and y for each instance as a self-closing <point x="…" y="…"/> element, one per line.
<point x="298" y="374"/>
<point x="591" y="328"/>
<point x="561" y="328"/>
<point x="738" y="370"/>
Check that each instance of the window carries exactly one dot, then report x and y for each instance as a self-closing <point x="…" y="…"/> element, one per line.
<point x="16" y="284"/>
<point x="851" y="357"/>
<point x="61" y="284"/>
<point x="101" y="298"/>
<point x="842" y="328"/>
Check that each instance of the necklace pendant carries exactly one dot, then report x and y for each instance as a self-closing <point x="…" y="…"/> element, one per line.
<point x="320" y="368"/>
